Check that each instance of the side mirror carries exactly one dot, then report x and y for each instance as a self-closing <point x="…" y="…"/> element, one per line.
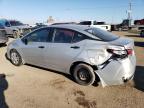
<point x="25" y="41"/>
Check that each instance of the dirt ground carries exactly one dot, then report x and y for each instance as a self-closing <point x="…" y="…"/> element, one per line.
<point x="32" y="87"/>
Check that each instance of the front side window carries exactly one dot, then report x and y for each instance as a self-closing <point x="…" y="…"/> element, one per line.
<point x="38" y="36"/>
<point x="63" y="36"/>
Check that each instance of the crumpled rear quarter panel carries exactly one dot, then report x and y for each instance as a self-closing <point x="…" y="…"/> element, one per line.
<point x="113" y="72"/>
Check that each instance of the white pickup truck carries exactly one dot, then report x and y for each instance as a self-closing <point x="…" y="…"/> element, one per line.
<point x="14" y="28"/>
<point x="100" y="25"/>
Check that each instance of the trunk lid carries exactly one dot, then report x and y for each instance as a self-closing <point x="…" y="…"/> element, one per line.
<point x="126" y="42"/>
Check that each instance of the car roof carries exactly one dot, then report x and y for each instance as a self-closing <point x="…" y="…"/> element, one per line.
<point x="79" y="28"/>
<point x="75" y="27"/>
<point x="71" y="26"/>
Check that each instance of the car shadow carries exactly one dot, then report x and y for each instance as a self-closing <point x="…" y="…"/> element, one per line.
<point x="140" y="44"/>
<point x="3" y="87"/>
<point x="3" y="45"/>
<point x="53" y="71"/>
<point x="68" y="76"/>
<point x="139" y="78"/>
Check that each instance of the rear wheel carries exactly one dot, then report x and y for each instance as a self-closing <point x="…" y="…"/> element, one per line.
<point x="15" y="58"/>
<point x="84" y="74"/>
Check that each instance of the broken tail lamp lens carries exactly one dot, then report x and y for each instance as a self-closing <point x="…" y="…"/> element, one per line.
<point x="120" y="52"/>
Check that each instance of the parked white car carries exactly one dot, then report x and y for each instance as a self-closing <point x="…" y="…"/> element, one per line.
<point x="86" y="53"/>
<point x="103" y="26"/>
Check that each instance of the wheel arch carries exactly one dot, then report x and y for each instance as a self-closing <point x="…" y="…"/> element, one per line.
<point x="98" y="79"/>
<point x="74" y="64"/>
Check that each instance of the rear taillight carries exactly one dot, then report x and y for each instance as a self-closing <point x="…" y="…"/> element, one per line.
<point x="120" y="53"/>
<point x="117" y="52"/>
<point x="129" y="51"/>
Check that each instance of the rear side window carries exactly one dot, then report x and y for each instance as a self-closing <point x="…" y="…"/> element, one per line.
<point x="63" y="35"/>
<point x="79" y="37"/>
<point x="101" y="34"/>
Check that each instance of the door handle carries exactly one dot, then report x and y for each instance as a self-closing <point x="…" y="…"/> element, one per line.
<point x="41" y="47"/>
<point x="75" y="47"/>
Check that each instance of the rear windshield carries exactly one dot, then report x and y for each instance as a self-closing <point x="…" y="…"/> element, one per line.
<point x="101" y="34"/>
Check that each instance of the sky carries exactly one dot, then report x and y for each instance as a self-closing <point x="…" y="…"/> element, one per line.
<point x="32" y="11"/>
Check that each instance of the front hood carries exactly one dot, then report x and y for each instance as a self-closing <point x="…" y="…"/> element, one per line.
<point x="22" y="27"/>
<point x="126" y="42"/>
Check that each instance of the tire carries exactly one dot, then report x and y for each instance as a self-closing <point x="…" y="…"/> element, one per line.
<point x="84" y="74"/>
<point x="15" y="58"/>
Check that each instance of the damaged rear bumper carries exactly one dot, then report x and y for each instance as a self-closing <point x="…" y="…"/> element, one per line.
<point x="115" y="72"/>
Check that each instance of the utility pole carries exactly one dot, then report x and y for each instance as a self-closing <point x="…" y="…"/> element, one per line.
<point x="129" y="12"/>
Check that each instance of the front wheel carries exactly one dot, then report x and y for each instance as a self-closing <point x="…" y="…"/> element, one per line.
<point x="84" y="74"/>
<point x="15" y="58"/>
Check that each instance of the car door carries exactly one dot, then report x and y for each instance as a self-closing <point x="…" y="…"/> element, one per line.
<point x="65" y="47"/>
<point x="33" y="52"/>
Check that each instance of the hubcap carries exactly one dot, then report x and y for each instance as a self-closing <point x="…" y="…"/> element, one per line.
<point x="14" y="58"/>
<point x="83" y="75"/>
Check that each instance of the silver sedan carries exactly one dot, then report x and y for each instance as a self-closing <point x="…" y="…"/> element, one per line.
<point x="88" y="54"/>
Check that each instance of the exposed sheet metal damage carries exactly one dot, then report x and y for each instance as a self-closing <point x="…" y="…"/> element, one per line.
<point x="116" y="69"/>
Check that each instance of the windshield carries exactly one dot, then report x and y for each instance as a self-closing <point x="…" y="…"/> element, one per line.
<point x="103" y="35"/>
